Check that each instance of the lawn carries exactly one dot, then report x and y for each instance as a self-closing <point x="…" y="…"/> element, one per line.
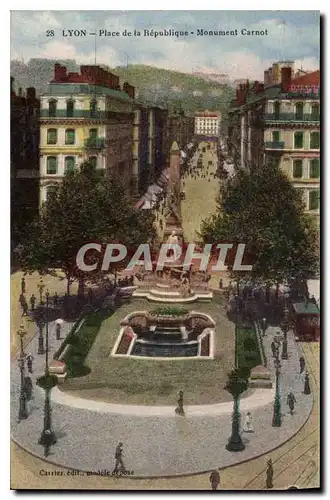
<point x="137" y="381"/>
<point x="247" y="349"/>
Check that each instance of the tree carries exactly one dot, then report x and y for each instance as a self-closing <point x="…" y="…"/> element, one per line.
<point x="237" y="384"/>
<point x="86" y="207"/>
<point x="261" y="208"/>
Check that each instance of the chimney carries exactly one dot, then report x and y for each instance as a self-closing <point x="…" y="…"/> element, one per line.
<point x="31" y="93"/>
<point x="266" y="77"/>
<point x="286" y="74"/>
<point x="59" y="72"/>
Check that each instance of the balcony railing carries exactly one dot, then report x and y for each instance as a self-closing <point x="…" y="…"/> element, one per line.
<point x="77" y="113"/>
<point x="94" y="142"/>
<point x="291" y="117"/>
<point x="274" y="145"/>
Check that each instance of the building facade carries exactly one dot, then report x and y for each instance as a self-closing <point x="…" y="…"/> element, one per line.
<point x="85" y="116"/>
<point x="280" y="123"/>
<point x="207" y="123"/>
<point x="24" y="159"/>
<point x="180" y="128"/>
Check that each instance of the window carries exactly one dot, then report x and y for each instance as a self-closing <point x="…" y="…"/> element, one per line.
<point x="276" y="136"/>
<point x="315" y="112"/>
<point x="314" y="199"/>
<point x="51" y="165"/>
<point x="70" y="136"/>
<point x="52" y="105"/>
<point x="298" y="140"/>
<point x="314" y="168"/>
<point x="93" y="133"/>
<point x="315" y="140"/>
<point x="93" y="108"/>
<point x="93" y="161"/>
<point x="51" y="191"/>
<point x="277" y="108"/>
<point x="299" y="112"/>
<point x="51" y="136"/>
<point x="69" y="163"/>
<point x="69" y="108"/>
<point x="297" y="169"/>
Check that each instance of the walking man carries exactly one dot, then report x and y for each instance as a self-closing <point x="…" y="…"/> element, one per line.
<point x="33" y="302"/>
<point x="29" y="360"/>
<point x="25" y="309"/>
<point x="23" y="285"/>
<point x="119" y="458"/>
<point x="302" y="364"/>
<point x="214" y="479"/>
<point x="273" y="348"/>
<point x="58" y="331"/>
<point x="291" y="400"/>
<point x="269" y="474"/>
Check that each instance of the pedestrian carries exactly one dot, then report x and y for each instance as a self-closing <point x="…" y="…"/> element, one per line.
<point x="215" y="479"/>
<point x="23" y="285"/>
<point x="264" y="325"/>
<point x="302" y="364"/>
<point x="273" y="348"/>
<point x="220" y="283"/>
<point x="55" y="299"/>
<point x="58" y="331"/>
<point x="25" y="309"/>
<point x="33" y="302"/>
<point x="28" y="388"/>
<point x="119" y="458"/>
<point x="29" y="360"/>
<point x="307" y="389"/>
<point x="269" y="474"/>
<point x="179" y="410"/>
<point x="248" y="423"/>
<point x="291" y="400"/>
<point x="22" y="299"/>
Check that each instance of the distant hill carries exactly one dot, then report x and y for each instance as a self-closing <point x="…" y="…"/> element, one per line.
<point x="171" y="89"/>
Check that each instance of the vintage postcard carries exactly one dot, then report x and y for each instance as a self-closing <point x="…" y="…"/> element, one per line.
<point x="165" y="294"/>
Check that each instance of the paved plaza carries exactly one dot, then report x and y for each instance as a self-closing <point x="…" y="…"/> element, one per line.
<point x="87" y="437"/>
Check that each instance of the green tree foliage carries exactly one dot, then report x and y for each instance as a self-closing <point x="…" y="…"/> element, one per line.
<point x="261" y="208"/>
<point x="237" y="383"/>
<point x="86" y="207"/>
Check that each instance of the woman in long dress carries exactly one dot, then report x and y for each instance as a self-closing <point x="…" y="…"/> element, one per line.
<point x="248" y="423"/>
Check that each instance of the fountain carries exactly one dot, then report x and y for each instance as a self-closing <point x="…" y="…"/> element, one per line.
<point x="166" y="332"/>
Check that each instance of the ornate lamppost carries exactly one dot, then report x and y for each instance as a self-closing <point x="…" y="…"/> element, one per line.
<point x="285" y="328"/>
<point x="277" y="419"/>
<point x="47" y="382"/>
<point x="22" y="413"/>
<point x="40" y="323"/>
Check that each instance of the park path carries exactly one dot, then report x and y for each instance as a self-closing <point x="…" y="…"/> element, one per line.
<point x="184" y="445"/>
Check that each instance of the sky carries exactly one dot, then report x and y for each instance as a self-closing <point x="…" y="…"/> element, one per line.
<point x="292" y="35"/>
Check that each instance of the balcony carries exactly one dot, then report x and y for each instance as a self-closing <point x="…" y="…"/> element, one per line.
<point x="291" y="117"/>
<point x="94" y="143"/>
<point x="77" y="113"/>
<point x="274" y="145"/>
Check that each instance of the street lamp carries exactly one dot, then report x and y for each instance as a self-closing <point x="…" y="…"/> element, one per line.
<point x="40" y="323"/>
<point x="277" y="419"/>
<point x="285" y="328"/>
<point x="22" y="413"/>
<point x="47" y="382"/>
